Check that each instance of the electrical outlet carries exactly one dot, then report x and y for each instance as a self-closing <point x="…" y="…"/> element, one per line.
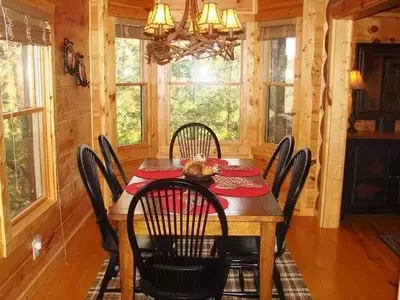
<point x="36" y="246"/>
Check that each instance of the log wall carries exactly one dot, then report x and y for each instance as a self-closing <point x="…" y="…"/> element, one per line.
<point x="21" y="276"/>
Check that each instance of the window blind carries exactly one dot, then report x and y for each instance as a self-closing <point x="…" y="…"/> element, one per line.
<point x="277" y="29"/>
<point x="129" y="29"/>
<point x="25" y="23"/>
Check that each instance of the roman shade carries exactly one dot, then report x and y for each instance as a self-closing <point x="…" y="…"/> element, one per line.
<point x="129" y="29"/>
<point x="25" y="23"/>
<point x="277" y="29"/>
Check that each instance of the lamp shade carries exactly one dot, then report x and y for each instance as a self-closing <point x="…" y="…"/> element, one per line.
<point x="160" y="17"/>
<point x="231" y="21"/>
<point x="356" y="80"/>
<point x="210" y="15"/>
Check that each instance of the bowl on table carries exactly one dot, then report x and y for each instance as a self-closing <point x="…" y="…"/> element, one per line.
<point x="198" y="170"/>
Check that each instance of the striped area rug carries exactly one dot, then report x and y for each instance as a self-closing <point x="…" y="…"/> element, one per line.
<point x="292" y="281"/>
<point x="392" y="241"/>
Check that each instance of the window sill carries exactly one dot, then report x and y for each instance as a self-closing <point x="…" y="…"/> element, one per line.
<point x="133" y="146"/>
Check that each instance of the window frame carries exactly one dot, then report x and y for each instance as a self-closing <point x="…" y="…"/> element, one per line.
<point x="266" y="83"/>
<point x="167" y="70"/>
<point x="12" y="227"/>
<point x="144" y="84"/>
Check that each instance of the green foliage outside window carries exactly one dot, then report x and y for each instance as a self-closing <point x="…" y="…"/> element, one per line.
<point x="207" y="91"/>
<point x="129" y="93"/>
<point x="22" y="133"/>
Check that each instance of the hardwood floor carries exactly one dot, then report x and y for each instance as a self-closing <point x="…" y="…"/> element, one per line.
<point x="348" y="263"/>
<point x="72" y="279"/>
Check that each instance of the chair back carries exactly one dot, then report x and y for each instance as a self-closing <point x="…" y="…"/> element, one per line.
<point x="89" y="163"/>
<point x="283" y="152"/>
<point x="174" y="214"/>
<point x="110" y="159"/>
<point x="194" y="138"/>
<point x="298" y="168"/>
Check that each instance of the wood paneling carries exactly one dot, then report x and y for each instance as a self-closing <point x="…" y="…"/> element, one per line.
<point x="284" y="9"/>
<point x="358" y="9"/>
<point x="242" y="6"/>
<point x="20" y="276"/>
<point x="128" y="9"/>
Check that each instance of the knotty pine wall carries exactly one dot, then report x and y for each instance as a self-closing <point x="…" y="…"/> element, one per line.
<point x="383" y="28"/>
<point x="19" y="275"/>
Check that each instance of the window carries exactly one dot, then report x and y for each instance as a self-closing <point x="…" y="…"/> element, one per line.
<point x="206" y="91"/>
<point x="21" y="92"/>
<point x="279" y="79"/>
<point x="130" y="90"/>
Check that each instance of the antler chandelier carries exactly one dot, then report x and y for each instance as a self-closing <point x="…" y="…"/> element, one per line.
<point x="201" y="35"/>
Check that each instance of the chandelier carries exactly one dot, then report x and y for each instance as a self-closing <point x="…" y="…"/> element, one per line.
<point x="200" y="35"/>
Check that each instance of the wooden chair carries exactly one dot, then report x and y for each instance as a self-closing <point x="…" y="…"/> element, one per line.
<point x="181" y="267"/>
<point x="89" y="164"/>
<point x="110" y="159"/>
<point x="194" y="138"/>
<point x="246" y="256"/>
<point x="283" y="152"/>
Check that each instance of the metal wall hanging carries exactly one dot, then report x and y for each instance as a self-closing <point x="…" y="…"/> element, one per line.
<point x="73" y="64"/>
<point x="69" y="57"/>
<point x="81" y="78"/>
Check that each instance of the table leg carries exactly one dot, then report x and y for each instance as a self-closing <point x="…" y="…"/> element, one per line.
<point x="126" y="264"/>
<point x="266" y="259"/>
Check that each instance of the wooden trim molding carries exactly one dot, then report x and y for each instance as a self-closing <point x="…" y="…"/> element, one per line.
<point x="358" y="9"/>
<point x="335" y="124"/>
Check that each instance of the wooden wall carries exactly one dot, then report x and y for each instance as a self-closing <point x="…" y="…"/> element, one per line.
<point x="383" y="28"/>
<point x="21" y="276"/>
<point x="283" y="9"/>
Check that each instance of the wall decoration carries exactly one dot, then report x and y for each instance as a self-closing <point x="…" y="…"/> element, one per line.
<point x="69" y="57"/>
<point x="73" y="64"/>
<point x="81" y="78"/>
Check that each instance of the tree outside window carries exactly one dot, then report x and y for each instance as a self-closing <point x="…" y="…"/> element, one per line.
<point x="206" y="91"/>
<point x="22" y="106"/>
<point x="130" y="90"/>
<point x="280" y="58"/>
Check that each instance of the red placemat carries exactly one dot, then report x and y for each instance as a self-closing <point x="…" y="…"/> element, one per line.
<point x="167" y="203"/>
<point x="159" y="173"/>
<point x="211" y="209"/>
<point x="239" y="171"/>
<point x="211" y="161"/>
<point x="134" y="187"/>
<point x="241" y="191"/>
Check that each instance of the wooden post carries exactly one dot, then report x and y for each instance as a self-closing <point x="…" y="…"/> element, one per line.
<point x="335" y="125"/>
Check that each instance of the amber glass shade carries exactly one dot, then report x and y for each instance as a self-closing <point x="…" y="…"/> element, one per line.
<point x="160" y="16"/>
<point x="210" y="15"/>
<point x="230" y="20"/>
<point x="356" y="80"/>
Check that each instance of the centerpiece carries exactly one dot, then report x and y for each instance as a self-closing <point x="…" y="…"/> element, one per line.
<point x="197" y="169"/>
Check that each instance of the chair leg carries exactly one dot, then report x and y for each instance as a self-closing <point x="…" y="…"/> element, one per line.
<point x="278" y="283"/>
<point x="256" y="279"/>
<point x="108" y="275"/>
<point x="241" y="280"/>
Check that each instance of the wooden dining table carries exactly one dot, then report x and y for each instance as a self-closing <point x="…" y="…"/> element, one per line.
<point x="247" y="216"/>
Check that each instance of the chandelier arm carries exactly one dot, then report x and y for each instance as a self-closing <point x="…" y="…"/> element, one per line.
<point x="183" y="21"/>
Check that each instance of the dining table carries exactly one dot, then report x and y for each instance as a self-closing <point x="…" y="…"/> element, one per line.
<point x="246" y="216"/>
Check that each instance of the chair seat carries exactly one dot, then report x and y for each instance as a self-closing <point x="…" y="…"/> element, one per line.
<point x="184" y="277"/>
<point x="110" y="245"/>
<point x="245" y="249"/>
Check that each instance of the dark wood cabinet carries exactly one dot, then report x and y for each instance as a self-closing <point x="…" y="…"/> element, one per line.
<point x="372" y="174"/>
